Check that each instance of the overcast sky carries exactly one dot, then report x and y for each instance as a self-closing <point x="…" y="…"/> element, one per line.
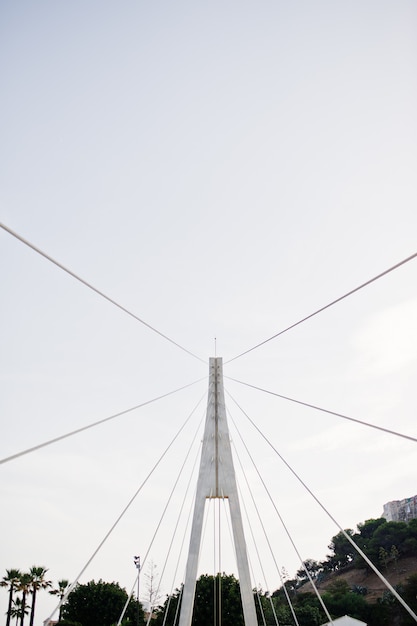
<point x="220" y="170"/>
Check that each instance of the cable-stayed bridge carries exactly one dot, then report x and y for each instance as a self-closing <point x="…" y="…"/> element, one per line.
<point x="217" y="469"/>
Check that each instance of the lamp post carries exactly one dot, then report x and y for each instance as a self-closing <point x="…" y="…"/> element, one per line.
<point x="136" y="560"/>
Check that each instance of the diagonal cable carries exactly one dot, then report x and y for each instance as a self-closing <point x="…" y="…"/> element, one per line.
<point x="128" y="505"/>
<point x="97" y="291"/>
<point x="186" y="527"/>
<point x="157" y="530"/>
<point x="187" y="524"/>
<point x="281" y="519"/>
<point x="318" y="408"/>
<point x="106" y="419"/>
<point x="255" y="543"/>
<point x="330" y="516"/>
<point x="265" y="535"/>
<point x="175" y="529"/>
<point x="327" y="306"/>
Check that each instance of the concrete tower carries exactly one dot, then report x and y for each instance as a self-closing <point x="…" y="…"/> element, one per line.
<point x="217" y="479"/>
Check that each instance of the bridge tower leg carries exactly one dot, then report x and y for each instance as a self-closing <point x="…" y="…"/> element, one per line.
<point x="217" y="479"/>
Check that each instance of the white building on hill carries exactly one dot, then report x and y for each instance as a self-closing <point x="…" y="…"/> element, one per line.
<point x="400" y="510"/>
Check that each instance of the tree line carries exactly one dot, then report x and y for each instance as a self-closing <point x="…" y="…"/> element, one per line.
<point x="224" y="591"/>
<point x="101" y="604"/>
<point x="381" y="541"/>
<point x="93" y="604"/>
<point x="384" y="543"/>
<point x="23" y="588"/>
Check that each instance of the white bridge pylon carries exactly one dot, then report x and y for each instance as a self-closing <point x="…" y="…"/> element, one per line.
<point x="216" y="479"/>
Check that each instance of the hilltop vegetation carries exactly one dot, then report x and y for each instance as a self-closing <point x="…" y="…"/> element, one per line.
<point x="345" y="582"/>
<point x="348" y="585"/>
<point x="384" y="543"/>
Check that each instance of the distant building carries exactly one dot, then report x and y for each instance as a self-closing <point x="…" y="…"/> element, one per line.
<point x="401" y="510"/>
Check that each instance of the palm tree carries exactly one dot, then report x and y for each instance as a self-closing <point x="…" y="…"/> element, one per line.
<point x="37" y="581"/>
<point x="24" y="586"/>
<point x="17" y="610"/>
<point x="11" y="581"/>
<point x="60" y="591"/>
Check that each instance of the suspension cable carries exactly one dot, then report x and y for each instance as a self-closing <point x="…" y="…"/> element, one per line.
<point x="327" y="306"/>
<point x="177" y="610"/>
<point x="345" y="534"/>
<point x="160" y="521"/>
<point x="97" y="291"/>
<point x="93" y="424"/>
<point x="180" y="551"/>
<point x="284" y="525"/>
<point x="266" y="537"/>
<point x="318" y="408"/>
<point x="256" y="544"/>
<point x="175" y="529"/>
<point x="258" y="597"/>
<point x="109" y="532"/>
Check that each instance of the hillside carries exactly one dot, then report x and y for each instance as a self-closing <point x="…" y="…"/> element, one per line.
<point x="395" y="574"/>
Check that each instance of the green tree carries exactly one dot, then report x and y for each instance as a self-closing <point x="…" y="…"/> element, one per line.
<point x="221" y="593"/>
<point x="18" y="610"/>
<point x="11" y="580"/>
<point x="338" y="587"/>
<point x="99" y="604"/>
<point x="166" y="613"/>
<point x="212" y="593"/>
<point x="386" y="557"/>
<point x="312" y="567"/>
<point x="24" y="586"/>
<point x="409" y="594"/>
<point x="388" y="535"/>
<point x="309" y="615"/>
<point x="363" y="539"/>
<point x="60" y="591"/>
<point x="409" y="545"/>
<point x="349" y="604"/>
<point x="343" y="551"/>
<point x="263" y="607"/>
<point x="340" y="600"/>
<point x="305" y="606"/>
<point x="383" y="557"/>
<point x="368" y="528"/>
<point x="38" y="581"/>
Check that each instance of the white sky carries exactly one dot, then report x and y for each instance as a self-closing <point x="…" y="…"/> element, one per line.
<point x="221" y="170"/>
